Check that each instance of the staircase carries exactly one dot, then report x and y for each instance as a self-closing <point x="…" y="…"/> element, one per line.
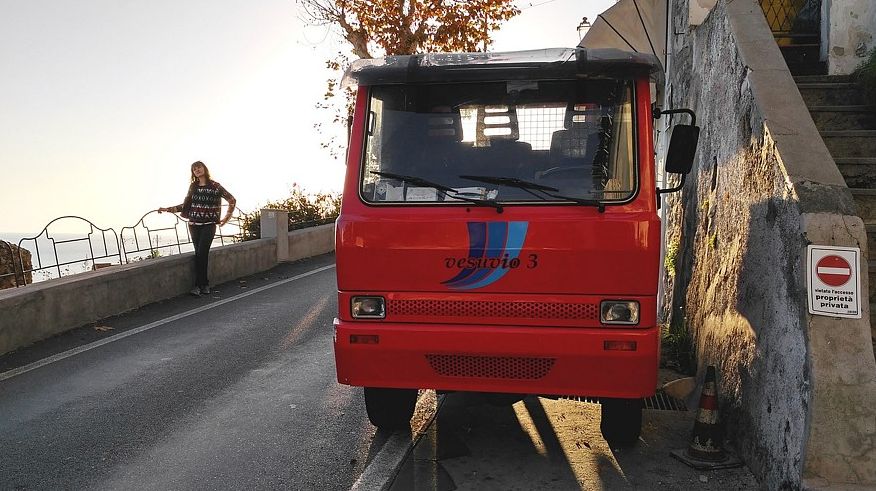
<point x="848" y="127"/>
<point x="801" y="53"/>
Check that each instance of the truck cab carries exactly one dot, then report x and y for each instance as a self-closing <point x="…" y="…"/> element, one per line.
<point x="499" y="230"/>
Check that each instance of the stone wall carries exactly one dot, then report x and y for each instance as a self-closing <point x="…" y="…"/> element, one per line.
<point x="10" y="267"/>
<point x="50" y="307"/>
<point x="794" y="391"/>
<point x="851" y="31"/>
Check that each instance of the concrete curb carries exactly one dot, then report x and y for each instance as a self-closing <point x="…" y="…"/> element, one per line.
<point x="380" y="473"/>
<point x="385" y="466"/>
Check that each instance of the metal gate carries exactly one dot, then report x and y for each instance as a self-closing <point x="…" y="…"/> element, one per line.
<point x="795" y="17"/>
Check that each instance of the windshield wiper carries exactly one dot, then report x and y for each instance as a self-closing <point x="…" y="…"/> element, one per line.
<point x="419" y="181"/>
<point x="513" y="182"/>
<point x="530" y="186"/>
<point x="445" y="190"/>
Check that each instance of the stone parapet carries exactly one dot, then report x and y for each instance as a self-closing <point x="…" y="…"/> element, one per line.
<point x="47" y="308"/>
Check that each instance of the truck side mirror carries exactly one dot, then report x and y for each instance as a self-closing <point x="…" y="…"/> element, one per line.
<point x="682" y="148"/>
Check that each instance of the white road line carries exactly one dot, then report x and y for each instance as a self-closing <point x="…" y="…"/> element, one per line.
<point x="75" y="351"/>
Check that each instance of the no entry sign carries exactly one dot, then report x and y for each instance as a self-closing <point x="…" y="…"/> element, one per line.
<point x="834" y="281"/>
<point x="833" y="270"/>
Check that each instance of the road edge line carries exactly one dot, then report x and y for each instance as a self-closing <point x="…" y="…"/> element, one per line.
<point x="96" y="344"/>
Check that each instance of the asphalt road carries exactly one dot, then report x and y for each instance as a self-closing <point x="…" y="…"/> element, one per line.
<point x="242" y="395"/>
<point x="238" y="391"/>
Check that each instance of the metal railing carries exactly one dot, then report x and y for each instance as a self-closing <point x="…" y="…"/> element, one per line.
<point x="147" y="238"/>
<point x="794" y="17"/>
<point x="37" y="262"/>
<point x="149" y="235"/>
<point x="133" y="242"/>
<point x="154" y="233"/>
<point x="234" y="230"/>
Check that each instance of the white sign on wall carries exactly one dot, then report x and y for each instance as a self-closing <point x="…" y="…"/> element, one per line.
<point x="834" y="281"/>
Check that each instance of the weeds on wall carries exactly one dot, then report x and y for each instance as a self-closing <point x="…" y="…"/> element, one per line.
<point x="677" y="349"/>
<point x="671" y="256"/>
<point x="865" y="77"/>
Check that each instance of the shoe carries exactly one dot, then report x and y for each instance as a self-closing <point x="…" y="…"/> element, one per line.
<point x="205" y="290"/>
<point x="196" y="292"/>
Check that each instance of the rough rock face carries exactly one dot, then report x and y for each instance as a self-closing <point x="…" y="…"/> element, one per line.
<point x="10" y="269"/>
<point x="737" y="283"/>
<point x="797" y="391"/>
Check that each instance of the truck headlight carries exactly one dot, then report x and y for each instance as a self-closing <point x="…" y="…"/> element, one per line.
<point x="619" y="312"/>
<point x="368" y="308"/>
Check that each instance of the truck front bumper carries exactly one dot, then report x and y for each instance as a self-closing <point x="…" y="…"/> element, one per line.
<point x="513" y="359"/>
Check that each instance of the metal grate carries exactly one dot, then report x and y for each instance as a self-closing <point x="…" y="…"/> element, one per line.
<point x="792" y="16"/>
<point x="662" y="401"/>
<point x="537" y="125"/>
<point x="659" y="402"/>
<point x="469" y="308"/>
<point x="502" y="367"/>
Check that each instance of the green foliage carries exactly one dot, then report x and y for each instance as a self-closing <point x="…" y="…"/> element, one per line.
<point x="305" y="210"/>
<point x="677" y="349"/>
<point x="671" y="256"/>
<point x="154" y="254"/>
<point x="865" y="76"/>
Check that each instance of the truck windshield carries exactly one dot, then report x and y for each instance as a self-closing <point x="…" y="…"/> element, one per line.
<point x="517" y="141"/>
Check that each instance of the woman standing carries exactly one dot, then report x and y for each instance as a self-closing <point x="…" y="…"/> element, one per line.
<point x="202" y="207"/>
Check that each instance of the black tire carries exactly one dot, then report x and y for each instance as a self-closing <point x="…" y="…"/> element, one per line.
<point x="621" y="421"/>
<point x="390" y="409"/>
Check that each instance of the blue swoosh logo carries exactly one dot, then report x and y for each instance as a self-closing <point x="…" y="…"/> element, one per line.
<point x="493" y="240"/>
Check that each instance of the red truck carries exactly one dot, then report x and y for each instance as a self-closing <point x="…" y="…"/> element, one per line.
<point x="499" y="230"/>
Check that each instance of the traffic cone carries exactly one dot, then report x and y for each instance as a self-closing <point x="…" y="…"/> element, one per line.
<point x="707" y="438"/>
<point x="705" y="450"/>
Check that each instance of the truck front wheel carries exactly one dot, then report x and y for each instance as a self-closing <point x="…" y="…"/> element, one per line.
<point x="390" y="409"/>
<point x="621" y="421"/>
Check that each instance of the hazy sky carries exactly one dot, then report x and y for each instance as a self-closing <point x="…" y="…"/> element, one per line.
<point x="105" y="103"/>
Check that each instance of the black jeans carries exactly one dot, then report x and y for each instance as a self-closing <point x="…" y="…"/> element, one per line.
<point x="202" y="237"/>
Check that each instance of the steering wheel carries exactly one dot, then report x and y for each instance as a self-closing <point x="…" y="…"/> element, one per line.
<point x="562" y="170"/>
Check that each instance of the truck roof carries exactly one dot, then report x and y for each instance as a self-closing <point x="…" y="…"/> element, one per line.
<point x="541" y="64"/>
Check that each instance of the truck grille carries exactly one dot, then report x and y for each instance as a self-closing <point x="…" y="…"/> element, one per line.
<point x="492" y="309"/>
<point x="503" y="367"/>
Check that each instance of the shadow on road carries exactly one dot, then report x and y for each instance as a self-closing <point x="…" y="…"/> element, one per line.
<point x="541" y="443"/>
